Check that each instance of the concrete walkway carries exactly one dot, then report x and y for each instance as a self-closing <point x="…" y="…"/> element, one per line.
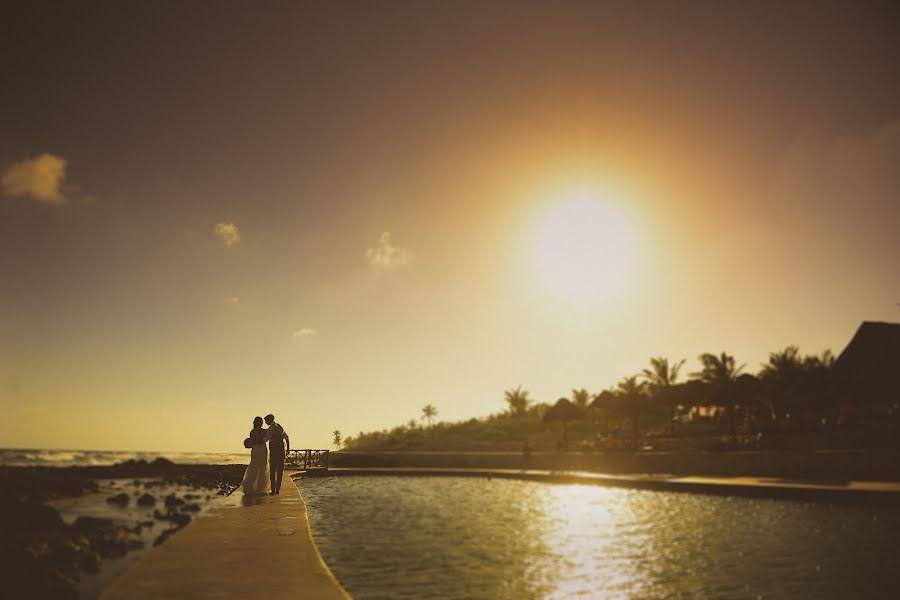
<point x="870" y="492"/>
<point x="261" y="549"/>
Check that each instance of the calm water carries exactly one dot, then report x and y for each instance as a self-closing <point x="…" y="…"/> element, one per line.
<point x="396" y="537"/>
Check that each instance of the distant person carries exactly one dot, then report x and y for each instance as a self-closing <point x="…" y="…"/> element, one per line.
<point x="277" y="438"/>
<point x="255" y="481"/>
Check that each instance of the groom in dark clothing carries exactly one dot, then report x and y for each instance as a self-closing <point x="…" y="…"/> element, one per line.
<point x="277" y="438"/>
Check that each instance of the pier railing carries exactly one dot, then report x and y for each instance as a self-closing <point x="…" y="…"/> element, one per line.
<point x="308" y="459"/>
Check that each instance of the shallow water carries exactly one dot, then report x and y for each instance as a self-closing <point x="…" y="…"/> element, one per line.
<point x="396" y="537"/>
<point x="94" y="505"/>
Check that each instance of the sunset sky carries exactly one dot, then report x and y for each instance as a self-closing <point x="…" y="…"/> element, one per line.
<point x="339" y="212"/>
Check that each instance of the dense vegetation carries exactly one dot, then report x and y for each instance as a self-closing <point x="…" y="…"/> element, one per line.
<point x="721" y="405"/>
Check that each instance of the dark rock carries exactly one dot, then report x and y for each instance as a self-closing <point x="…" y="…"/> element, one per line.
<point x="179" y="519"/>
<point x="87" y="524"/>
<point x="33" y="517"/>
<point x="191" y="496"/>
<point x="119" y="499"/>
<point x="164" y="536"/>
<point x="162" y="462"/>
<point x="47" y="556"/>
<point x="106" y="539"/>
<point x="173" y="500"/>
<point x="146" y="500"/>
<point x="191" y="507"/>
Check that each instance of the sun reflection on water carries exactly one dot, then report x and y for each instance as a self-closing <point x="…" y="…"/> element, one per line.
<point x="395" y="537"/>
<point x="587" y="531"/>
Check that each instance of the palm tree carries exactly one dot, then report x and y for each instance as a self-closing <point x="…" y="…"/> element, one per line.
<point x="660" y="378"/>
<point x="581" y="397"/>
<point x="782" y="374"/>
<point x="824" y="360"/>
<point x="816" y="391"/>
<point x="429" y="412"/>
<point x="782" y="362"/>
<point x="717" y="369"/>
<point x="721" y="373"/>
<point x="518" y="400"/>
<point x="633" y="395"/>
<point x="336" y="440"/>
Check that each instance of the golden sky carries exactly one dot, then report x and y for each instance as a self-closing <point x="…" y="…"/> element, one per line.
<point x="341" y="213"/>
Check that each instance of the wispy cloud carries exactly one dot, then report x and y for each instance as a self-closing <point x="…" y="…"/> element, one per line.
<point x="385" y="255"/>
<point x="38" y="178"/>
<point x="229" y="233"/>
<point x="304" y="332"/>
<point x="232" y="300"/>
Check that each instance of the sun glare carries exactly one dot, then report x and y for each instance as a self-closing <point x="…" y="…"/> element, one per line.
<point x="583" y="248"/>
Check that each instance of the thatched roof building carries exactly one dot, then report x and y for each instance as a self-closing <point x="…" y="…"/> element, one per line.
<point x="868" y="370"/>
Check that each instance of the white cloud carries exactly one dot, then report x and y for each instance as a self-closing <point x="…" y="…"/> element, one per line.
<point x="228" y="232"/>
<point x="385" y="255"/>
<point x="305" y="332"/>
<point x="37" y="178"/>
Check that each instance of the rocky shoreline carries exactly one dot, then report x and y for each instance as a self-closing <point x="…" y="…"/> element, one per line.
<point x="43" y="556"/>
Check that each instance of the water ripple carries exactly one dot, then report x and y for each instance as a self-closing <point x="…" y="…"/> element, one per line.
<point x="396" y="537"/>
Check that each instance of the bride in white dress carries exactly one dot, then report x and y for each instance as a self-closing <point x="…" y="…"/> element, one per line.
<point x="256" y="477"/>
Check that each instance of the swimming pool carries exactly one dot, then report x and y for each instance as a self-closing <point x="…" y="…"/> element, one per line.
<point x="449" y="537"/>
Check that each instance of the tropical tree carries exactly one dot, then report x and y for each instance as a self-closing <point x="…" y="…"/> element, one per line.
<point x="816" y="390"/>
<point x="581" y="397"/>
<point x="336" y="438"/>
<point x="632" y="394"/>
<point x="429" y="412"/>
<point x="819" y="361"/>
<point x="795" y="382"/>
<point x="661" y="377"/>
<point x="518" y="400"/>
<point x="563" y="411"/>
<point x="781" y="375"/>
<point x="605" y="403"/>
<point x="721" y="372"/>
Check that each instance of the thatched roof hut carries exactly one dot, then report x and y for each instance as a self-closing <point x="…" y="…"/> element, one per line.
<point x="564" y="410"/>
<point x="866" y="371"/>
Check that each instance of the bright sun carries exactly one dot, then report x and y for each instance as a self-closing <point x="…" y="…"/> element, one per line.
<point x="583" y="249"/>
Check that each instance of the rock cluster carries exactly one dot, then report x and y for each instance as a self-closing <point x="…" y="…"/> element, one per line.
<point x="43" y="557"/>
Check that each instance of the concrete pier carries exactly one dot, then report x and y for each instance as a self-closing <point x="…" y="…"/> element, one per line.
<point x="263" y="549"/>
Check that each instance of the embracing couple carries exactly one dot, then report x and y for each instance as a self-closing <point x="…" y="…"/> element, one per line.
<point x="266" y="469"/>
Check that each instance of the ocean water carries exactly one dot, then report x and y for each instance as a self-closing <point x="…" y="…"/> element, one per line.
<point x="27" y="457"/>
<point x="476" y="538"/>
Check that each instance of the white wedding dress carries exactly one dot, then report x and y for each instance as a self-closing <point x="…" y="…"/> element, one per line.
<point x="256" y="477"/>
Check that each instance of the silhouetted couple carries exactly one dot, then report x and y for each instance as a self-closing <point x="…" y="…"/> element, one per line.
<point x="262" y="463"/>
